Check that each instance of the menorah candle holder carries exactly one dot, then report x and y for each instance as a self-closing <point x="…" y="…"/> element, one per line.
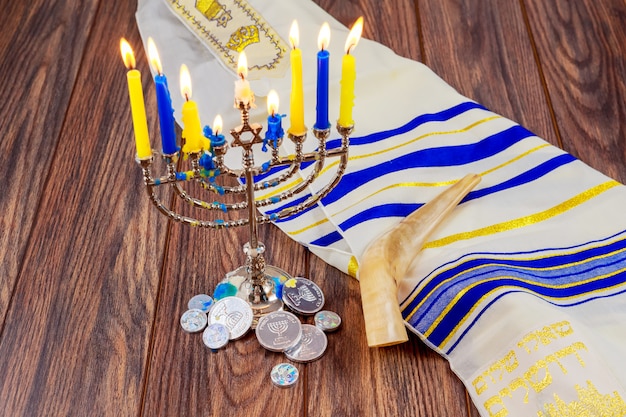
<point x="254" y="281"/>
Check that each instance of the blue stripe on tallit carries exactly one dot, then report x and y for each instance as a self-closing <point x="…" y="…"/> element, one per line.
<point x="564" y="250"/>
<point x="572" y="268"/>
<point x="453" y="317"/>
<point x="481" y="312"/>
<point x="545" y="267"/>
<point x="526" y="177"/>
<point x="431" y="157"/>
<point x="444" y="156"/>
<point x="378" y="136"/>
<point x="441" y="116"/>
<point x="403" y="210"/>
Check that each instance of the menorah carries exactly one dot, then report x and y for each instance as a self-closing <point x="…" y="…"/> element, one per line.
<point x="258" y="288"/>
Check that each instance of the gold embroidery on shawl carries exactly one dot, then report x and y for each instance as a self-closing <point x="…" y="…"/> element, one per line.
<point x="527" y="220"/>
<point x="546" y="335"/>
<point x="590" y="403"/>
<point x="227" y="27"/>
<point x="537" y="378"/>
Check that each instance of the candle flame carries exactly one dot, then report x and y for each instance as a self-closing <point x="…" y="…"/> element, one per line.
<point x="323" y="39"/>
<point x="127" y="54"/>
<point x="185" y="82"/>
<point x="272" y="102"/>
<point x="354" y="35"/>
<point x="153" y="57"/>
<point x="242" y="65"/>
<point x="294" y="35"/>
<point x="217" y="125"/>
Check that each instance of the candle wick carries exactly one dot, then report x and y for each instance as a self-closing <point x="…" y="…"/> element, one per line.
<point x="186" y="97"/>
<point x="242" y="76"/>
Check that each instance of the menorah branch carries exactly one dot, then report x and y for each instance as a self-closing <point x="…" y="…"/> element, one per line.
<point x="253" y="281"/>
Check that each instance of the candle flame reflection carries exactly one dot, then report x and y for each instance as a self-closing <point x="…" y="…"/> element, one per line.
<point x="354" y="35"/>
<point x="127" y="54"/>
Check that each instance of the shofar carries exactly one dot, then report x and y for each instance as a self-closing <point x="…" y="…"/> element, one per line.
<point x="387" y="259"/>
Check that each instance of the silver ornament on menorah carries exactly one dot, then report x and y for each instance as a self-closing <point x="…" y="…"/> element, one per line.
<point x="253" y="280"/>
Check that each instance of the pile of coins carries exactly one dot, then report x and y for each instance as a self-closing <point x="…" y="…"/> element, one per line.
<point x="230" y="318"/>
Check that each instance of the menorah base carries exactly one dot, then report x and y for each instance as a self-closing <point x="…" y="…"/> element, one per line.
<point x="264" y="295"/>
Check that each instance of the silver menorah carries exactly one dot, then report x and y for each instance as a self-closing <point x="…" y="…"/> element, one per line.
<point x="253" y="280"/>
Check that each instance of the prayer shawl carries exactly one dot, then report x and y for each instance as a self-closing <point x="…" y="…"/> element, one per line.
<point x="521" y="289"/>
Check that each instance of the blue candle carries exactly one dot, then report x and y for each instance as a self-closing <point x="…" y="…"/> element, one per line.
<point x="166" y="115"/>
<point x="164" y="102"/>
<point x="217" y="139"/>
<point x="323" y="58"/>
<point x="274" y="128"/>
<point x="274" y="121"/>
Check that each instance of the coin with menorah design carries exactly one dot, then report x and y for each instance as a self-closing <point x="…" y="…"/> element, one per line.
<point x="234" y="313"/>
<point x="279" y="331"/>
<point x="303" y="296"/>
<point x="311" y="347"/>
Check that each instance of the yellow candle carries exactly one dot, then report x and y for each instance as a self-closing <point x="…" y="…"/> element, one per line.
<point x="137" y="106"/>
<point x="348" y="76"/>
<point x="296" y="110"/>
<point x="192" y="129"/>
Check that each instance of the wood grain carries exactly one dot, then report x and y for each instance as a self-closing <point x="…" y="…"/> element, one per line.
<point x="194" y="380"/>
<point x="354" y="380"/>
<point x="582" y="52"/>
<point x="76" y="338"/>
<point x="392" y="23"/>
<point x="37" y="87"/>
<point x="93" y="280"/>
<point x="483" y="50"/>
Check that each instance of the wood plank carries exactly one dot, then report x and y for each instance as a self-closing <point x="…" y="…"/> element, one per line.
<point x="182" y="370"/>
<point x="391" y="23"/>
<point x="484" y="51"/>
<point x="37" y="88"/>
<point x="581" y="49"/>
<point x="352" y="379"/>
<point x="409" y="379"/>
<point x="76" y="337"/>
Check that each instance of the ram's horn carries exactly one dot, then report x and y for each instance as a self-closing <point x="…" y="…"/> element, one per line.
<point x="386" y="260"/>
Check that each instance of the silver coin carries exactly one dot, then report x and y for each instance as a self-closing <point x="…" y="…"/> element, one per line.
<point x="201" y="301"/>
<point x="284" y="375"/>
<point x="311" y="347"/>
<point x="328" y="321"/>
<point x="216" y="336"/>
<point x="279" y="331"/>
<point x="303" y="296"/>
<point x="234" y="313"/>
<point x="193" y="320"/>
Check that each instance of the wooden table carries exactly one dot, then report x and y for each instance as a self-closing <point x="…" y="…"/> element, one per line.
<point x="93" y="280"/>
